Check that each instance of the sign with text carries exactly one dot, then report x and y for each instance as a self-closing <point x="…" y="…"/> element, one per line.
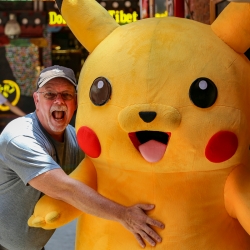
<point x="11" y="91"/>
<point x="123" y="18"/>
<point x="120" y="17"/>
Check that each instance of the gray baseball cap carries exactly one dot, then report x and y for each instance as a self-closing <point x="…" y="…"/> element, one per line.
<point x="56" y="71"/>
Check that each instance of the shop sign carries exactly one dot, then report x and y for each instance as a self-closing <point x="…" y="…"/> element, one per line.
<point x="123" y="18"/>
<point x="119" y="16"/>
<point x="56" y="19"/>
<point x="11" y="91"/>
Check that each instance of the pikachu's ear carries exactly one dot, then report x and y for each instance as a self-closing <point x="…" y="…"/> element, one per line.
<point x="88" y="20"/>
<point x="233" y="26"/>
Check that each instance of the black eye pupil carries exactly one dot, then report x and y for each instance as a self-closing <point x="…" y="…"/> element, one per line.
<point x="203" y="92"/>
<point x="100" y="91"/>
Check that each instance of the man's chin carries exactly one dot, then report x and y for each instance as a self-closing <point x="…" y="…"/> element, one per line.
<point x="57" y="128"/>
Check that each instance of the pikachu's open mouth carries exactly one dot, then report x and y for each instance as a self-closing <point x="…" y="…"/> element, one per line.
<point x="151" y="144"/>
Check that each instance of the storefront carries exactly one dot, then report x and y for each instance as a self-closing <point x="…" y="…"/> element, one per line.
<point x="20" y="59"/>
<point x="37" y="45"/>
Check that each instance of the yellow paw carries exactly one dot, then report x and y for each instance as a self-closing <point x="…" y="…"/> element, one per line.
<point x="38" y="221"/>
<point x="52" y="217"/>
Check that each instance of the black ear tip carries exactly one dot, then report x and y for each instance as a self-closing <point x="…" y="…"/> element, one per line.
<point x="59" y="4"/>
<point x="247" y="54"/>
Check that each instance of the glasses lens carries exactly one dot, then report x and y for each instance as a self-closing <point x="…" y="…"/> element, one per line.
<point x="53" y="95"/>
<point x="67" y="96"/>
<point x="50" y="95"/>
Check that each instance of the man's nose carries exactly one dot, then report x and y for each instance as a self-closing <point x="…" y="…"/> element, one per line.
<point x="59" y="98"/>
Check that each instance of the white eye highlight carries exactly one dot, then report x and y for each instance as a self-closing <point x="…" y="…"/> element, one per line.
<point x="203" y="84"/>
<point x="100" y="84"/>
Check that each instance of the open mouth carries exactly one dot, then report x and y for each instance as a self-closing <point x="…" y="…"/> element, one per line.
<point x="58" y="114"/>
<point x="151" y="144"/>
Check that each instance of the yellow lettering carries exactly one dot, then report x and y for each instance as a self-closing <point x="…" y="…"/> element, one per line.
<point x="52" y="18"/>
<point x="117" y="17"/>
<point x="59" y="19"/>
<point x="123" y="18"/>
<point x="56" y="19"/>
<point x="111" y="12"/>
<point x="129" y="18"/>
<point x="135" y="15"/>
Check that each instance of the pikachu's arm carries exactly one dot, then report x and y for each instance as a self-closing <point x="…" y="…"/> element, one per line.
<point x="51" y="213"/>
<point x="237" y="196"/>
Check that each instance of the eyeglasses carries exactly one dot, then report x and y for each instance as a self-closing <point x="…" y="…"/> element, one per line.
<point x="50" y="95"/>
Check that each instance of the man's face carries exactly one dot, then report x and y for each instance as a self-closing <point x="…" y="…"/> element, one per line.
<point x="55" y="113"/>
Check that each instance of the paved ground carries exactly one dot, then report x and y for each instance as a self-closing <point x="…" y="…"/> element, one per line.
<point x="63" y="238"/>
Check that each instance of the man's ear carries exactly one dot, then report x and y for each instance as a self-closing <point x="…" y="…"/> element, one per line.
<point x="36" y="98"/>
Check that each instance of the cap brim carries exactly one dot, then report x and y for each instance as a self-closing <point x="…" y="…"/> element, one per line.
<point x="50" y="78"/>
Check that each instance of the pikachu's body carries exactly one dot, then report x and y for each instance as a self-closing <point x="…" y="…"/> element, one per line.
<point x="164" y="118"/>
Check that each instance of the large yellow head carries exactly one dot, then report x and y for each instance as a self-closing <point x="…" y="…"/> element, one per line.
<point x="167" y="94"/>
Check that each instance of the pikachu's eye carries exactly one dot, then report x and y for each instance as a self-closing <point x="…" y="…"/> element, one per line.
<point x="203" y="92"/>
<point x="100" y="91"/>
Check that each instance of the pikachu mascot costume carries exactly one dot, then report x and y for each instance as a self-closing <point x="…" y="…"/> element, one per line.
<point x="164" y="118"/>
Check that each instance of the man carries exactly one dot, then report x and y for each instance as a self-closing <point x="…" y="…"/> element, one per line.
<point x="12" y="108"/>
<point x="32" y="149"/>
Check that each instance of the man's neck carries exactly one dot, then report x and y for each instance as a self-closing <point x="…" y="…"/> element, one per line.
<point x="56" y="136"/>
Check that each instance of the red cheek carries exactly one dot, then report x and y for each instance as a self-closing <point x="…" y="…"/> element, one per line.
<point x="89" y="142"/>
<point x="221" y="146"/>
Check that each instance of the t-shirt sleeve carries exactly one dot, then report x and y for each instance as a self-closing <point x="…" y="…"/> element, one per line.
<point x="28" y="158"/>
<point x="2" y="99"/>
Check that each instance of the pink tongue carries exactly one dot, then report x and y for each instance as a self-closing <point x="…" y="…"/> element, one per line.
<point x="152" y="151"/>
<point x="58" y="114"/>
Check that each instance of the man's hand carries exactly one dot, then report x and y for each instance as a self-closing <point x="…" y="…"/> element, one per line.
<point x="56" y="184"/>
<point x="137" y="222"/>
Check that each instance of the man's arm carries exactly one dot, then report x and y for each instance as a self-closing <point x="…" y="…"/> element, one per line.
<point x="56" y="184"/>
<point x="15" y="109"/>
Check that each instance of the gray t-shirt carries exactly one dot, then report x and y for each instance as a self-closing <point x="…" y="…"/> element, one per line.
<point x="26" y="151"/>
